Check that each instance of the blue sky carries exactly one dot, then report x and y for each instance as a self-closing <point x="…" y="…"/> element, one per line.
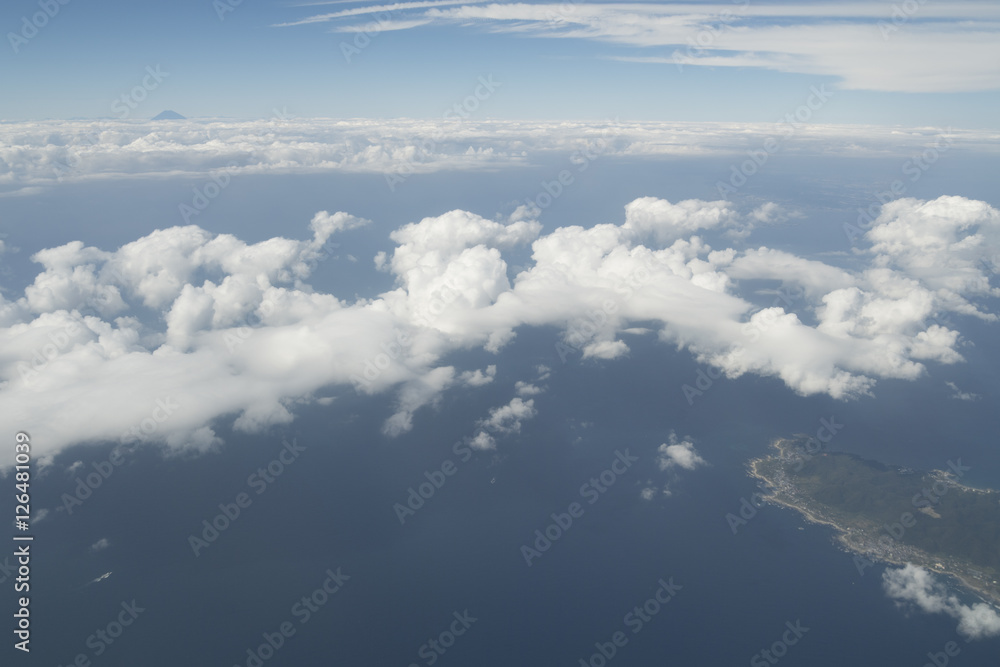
<point x="934" y="65"/>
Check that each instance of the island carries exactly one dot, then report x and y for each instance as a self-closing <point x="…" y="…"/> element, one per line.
<point x="890" y="514"/>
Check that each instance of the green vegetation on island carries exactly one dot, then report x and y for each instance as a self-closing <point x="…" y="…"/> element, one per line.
<point x="892" y="514"/>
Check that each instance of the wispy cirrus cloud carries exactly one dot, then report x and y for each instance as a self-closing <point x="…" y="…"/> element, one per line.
<point x="936" y="47"/>
<point x="373" y="9"/>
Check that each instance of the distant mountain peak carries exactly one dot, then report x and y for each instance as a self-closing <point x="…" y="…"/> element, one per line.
<point x="169" y="115"/>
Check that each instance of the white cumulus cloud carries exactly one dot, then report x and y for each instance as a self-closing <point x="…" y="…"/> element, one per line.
<point x="678" y="453"/>
<point x="917" y="586"/>
<point x="239" y="336"/>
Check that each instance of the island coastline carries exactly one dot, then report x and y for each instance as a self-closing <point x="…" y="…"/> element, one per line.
<point x="861" y="534"/>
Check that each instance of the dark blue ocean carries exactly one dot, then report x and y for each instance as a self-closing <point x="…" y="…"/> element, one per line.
<point x="333" y="508"/>
<point x="459" y="556"/>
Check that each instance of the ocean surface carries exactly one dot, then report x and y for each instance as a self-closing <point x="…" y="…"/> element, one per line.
<point x="332" y="508"/>
<point x="461" y="551"/>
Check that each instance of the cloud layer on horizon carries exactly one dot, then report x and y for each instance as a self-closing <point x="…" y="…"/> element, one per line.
<point x="35" y="155"/>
